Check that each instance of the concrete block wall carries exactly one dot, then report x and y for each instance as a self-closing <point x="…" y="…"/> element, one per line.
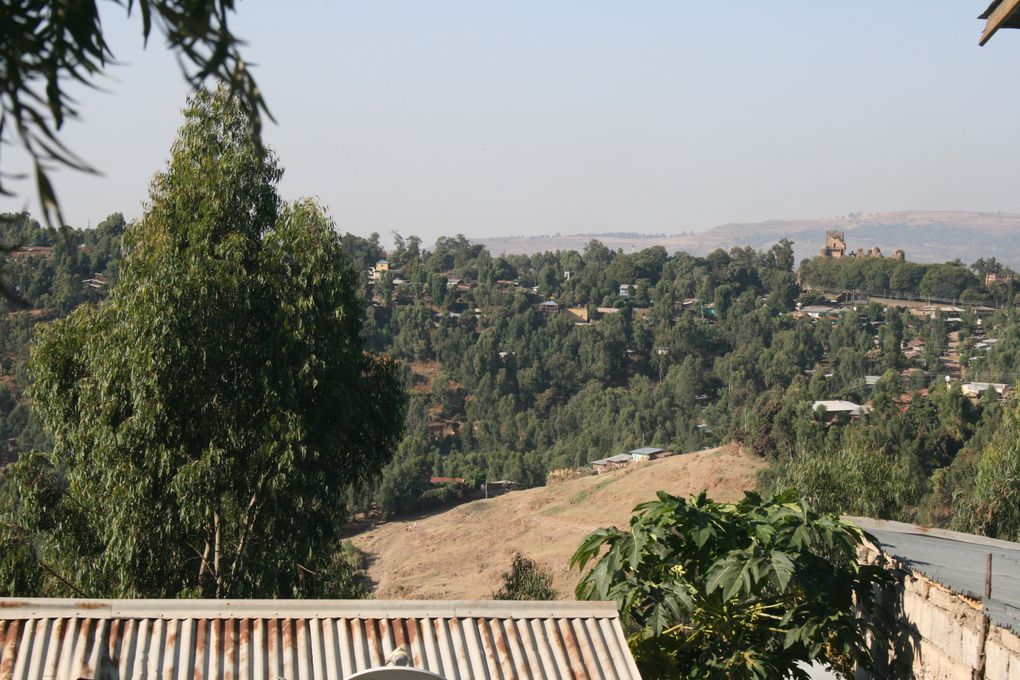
<point x="940" y="635"/>
<point x="939" y="632"/>
<point x="1002" y="654"/>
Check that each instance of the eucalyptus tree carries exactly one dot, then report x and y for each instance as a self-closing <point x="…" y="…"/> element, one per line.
<point x="212" y="418"/>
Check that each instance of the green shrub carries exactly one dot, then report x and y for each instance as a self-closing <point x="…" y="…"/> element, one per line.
<point x="526" y="580"/>
<point x="734" y="590"/>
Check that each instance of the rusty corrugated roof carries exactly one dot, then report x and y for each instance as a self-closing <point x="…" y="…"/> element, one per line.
<point x="308" y="639"/>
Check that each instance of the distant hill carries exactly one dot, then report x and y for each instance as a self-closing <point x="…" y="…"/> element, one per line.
<point x="926" y="236"/>
<point x="460" y="553"/>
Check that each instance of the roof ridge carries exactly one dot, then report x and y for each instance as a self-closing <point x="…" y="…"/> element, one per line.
<point x="46" y="608"/>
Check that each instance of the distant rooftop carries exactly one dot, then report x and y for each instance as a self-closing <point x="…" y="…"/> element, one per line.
<point x="837" y="406"/>
<point x="646" y="451"/>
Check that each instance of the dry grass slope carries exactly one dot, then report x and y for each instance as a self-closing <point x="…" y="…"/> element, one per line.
<point x="459" y="554"/>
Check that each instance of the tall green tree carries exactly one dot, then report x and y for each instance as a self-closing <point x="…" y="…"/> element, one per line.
<point x="211" y="418"/>
<point x="994" y="508"/>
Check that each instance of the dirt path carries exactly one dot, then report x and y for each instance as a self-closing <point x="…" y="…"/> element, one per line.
<point x="460" y="553"/>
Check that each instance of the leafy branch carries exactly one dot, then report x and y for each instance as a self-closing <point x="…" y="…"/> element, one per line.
<point x="46" y="43"/>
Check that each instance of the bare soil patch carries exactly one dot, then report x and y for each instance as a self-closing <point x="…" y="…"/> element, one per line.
<point x="460" y="553"/>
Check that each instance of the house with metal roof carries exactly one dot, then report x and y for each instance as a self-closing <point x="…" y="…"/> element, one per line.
<point x="612" y="462"/>
<point x="309" y="639"/>
<point x="976" y="389"/>
<point x="645" y="453"/>
<point x="818" y="311"/>
<point x="833" y="408"/>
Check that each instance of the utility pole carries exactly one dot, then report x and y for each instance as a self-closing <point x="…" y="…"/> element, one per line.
<point x="979" y="672"/>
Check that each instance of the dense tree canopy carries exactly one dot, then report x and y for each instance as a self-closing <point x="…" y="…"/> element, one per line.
<point x="520" y="365"/>
<point x="212" y="418"/>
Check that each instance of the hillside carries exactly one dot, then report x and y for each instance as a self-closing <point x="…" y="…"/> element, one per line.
<point x="459" y="554"/>
<point x="926" y="236"/>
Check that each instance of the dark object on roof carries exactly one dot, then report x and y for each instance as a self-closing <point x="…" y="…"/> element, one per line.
<point x="268" y="639"/>
<point x="1000" y="14"/>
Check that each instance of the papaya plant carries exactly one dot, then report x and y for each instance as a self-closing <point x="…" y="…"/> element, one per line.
<point x="754" y="589"/>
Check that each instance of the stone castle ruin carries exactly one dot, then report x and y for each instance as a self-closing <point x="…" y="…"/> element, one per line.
<point x="835" y="248"/>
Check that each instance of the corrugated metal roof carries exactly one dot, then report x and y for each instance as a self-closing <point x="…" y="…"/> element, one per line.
<point x="957" y="561"/>
<point x="308" y="639"/>
<point x="646" y="451"/>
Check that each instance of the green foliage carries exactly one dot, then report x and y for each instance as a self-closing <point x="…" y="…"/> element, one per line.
<point x="210" y="418"/>
<point x="526" y="580"/>
<point x="47" y="44"/>
<point x="878" y="274"/>
<point x="734" y="590"/>
<point x="994" y="508"/>
<point x="854" y="479"/>
<point x="704" y="352"/>
<point x="338" y="578"/>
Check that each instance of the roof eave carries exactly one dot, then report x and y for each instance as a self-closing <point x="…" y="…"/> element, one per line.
<point x="36" y="608"/>
<point x="1000" y="14"/>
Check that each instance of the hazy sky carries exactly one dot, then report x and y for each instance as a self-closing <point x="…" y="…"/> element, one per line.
<point x="534" y="117"/>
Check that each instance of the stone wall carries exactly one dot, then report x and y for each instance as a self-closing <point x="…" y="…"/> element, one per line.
<point x="938" y="634"/>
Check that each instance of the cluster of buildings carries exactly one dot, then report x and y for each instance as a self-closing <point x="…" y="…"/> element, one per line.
<point x="835" y="248"/>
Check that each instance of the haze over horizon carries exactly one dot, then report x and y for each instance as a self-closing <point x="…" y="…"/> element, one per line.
<point x="585" y="117"/>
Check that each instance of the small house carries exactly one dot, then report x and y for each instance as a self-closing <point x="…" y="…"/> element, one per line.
<point x="645" y="454"/>
<point x="626" y="290"/>
<point x="611" y="463"/>
<point x="620" y="460"/>
<point x="819" y="311"/>
<point x="549" y="308"/>
<point x="834" y="408"/>
<point x="976" y="389"/>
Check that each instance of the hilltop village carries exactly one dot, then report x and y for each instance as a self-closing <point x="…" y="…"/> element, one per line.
<point x="874" y="386"/>
<point x="526" y="368"/>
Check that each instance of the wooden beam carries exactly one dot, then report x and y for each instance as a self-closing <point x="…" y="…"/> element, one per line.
<point x="997" y="18"/>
